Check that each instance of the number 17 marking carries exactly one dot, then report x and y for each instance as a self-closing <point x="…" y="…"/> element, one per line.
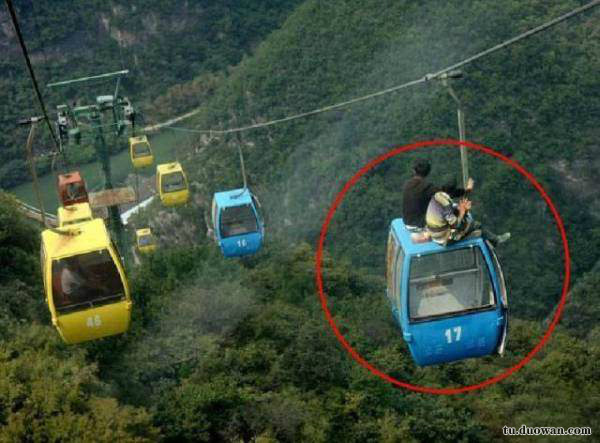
<point x="457" y="330"/>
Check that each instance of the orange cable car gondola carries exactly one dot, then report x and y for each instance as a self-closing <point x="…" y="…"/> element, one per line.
<point x="71" y="189"/>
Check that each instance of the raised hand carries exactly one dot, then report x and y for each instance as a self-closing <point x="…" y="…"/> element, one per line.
<point x="470" y="184"/>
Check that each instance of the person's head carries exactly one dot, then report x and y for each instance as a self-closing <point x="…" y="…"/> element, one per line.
<point x="422" y="167"/>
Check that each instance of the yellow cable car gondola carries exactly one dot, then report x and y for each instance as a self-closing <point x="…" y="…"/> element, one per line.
<point x="76" y="213"/>
<point x="145" y="241"/>
<point x="172" y="184"/>
<point x="140" y="152"/>
<point x="85" y="283"/>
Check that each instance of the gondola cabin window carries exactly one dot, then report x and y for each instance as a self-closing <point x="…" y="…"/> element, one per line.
<point x="75" y="191"/>
<point x="395" y="263"/>
<point x="173" y="182"/>
<point x="141" y="150"/>
<point x="86" y="280"/>
<point x="238" y="220"/>
<point x="392" y="247"/>
<point x="500" y="274"/>
<point x="145" y="240"/>
<point x="215" y="210"/>
<point x="448" y="283"/>
<point x="399" y="264"/>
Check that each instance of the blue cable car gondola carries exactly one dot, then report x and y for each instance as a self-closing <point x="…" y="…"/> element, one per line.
<point x="450" y="302"/>
<point x="238" y="227"/>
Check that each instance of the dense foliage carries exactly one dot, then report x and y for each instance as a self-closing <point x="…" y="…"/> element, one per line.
<point x="248" y="357"/>
<point x="230" y="350"/>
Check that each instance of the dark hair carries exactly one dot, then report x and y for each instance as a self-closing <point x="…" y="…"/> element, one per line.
<point x="422" y="167"/>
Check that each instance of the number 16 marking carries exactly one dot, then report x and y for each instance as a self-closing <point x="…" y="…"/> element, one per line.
<point x="457" y="330"/>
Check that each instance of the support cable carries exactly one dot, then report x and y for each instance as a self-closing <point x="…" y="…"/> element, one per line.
<point x="423" y="79"/>
<point x="31" y="161"/>
<point x="242" y="164"/>
<point x="15" y="23"/>
<point x="303" y="114"/>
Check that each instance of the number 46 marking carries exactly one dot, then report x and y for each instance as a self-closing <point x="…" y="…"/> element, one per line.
<point x="457" y="331"/>
<point x="94" y="321"/>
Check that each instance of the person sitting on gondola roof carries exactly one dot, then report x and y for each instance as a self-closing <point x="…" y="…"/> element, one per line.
<point x="418" y="192"/>
<point x="449" y="222"/>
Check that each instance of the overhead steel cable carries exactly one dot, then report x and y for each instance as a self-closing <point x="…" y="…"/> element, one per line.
<point x="303" y="114"/>
<point x="15" y="23"/>
<point x="392" y="89"/>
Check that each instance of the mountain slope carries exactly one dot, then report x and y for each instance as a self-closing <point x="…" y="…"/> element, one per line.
<point x="162" y="44"/>
<point x="536" y="101"/>
<point x="223" y="350"/>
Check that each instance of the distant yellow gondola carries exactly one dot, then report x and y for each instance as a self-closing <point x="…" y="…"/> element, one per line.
<point x="77" y="213"/>
<point x="146" y="243"/>
<point x="84" y="281"/>
<point x="172" y="184"/>
<point x="140" y="152"/>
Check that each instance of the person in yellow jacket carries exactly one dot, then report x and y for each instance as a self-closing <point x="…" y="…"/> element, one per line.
<point x="449" y="222"/>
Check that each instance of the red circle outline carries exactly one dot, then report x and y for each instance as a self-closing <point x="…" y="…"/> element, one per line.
<point x="444" y="143"/>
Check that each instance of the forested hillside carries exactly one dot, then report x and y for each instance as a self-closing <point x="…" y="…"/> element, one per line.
<point x="162" y="43"/>
<point x="536" y="102"/>
<point x="230" y="350"/>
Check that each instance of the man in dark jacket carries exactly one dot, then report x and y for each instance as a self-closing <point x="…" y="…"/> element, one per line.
<point x="418" y="192"/>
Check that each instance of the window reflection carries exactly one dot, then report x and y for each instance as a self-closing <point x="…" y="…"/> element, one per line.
<point x="146" y="240"/>
<point x="85" y="280"/>
<point x="172" y="182"/>
<point x="448" y="282"/>
<point x="238" y="220"/>
<point x="141" y="150"/>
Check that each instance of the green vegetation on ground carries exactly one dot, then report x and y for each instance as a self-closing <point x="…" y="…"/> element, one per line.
<point x="248" y="357"/>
